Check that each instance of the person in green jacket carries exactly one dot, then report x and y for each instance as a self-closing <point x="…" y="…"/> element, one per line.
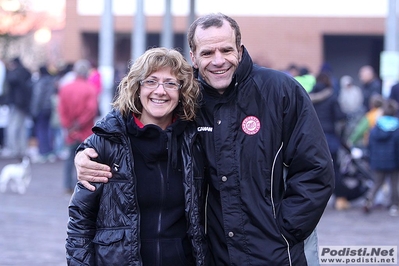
<point x="306" y="79"/>
<point x="367" y="122"/>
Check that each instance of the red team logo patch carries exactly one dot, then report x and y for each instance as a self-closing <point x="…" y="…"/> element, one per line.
<point x="251" y="125"/>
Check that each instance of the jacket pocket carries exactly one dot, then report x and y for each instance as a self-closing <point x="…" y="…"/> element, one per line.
<point x="79" y="251"/>
<point x="111" y="248"/>
<point x="107" y="237"/>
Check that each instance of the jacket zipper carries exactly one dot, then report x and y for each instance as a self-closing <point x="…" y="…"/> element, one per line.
<point x="158" y="248"/>
<point x="128" y="144"/>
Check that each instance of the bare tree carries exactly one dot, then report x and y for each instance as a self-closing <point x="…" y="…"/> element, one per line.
<point x="14" y="23"/>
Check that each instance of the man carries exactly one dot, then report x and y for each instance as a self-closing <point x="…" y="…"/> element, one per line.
<point x="370" y="84"/>
<point x="18" y="99"/>
<point x="271" y="172"/>
<point x="77" y="108"/>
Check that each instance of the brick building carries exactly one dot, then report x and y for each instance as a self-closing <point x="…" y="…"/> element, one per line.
<point x="345" y="41"/>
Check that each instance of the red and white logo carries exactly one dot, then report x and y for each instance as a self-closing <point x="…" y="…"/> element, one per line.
<point x="251" y="125"/>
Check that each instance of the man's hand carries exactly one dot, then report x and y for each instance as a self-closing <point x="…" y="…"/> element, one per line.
<point x="90" y="171"/>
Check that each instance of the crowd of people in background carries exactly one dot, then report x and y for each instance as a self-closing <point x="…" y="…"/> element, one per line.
<point x="40" y="112"/>
<point x="30" y="122"/>
<point x="358" y="118"/>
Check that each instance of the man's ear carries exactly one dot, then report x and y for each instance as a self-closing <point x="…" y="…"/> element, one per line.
<point x="240" y="51"/>
<point x="193" y="60"/>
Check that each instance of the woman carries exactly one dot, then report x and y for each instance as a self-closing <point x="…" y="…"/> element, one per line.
<point x="350" y="100"/>
<point x="332" y="120"/>
<point x="151" y="213"/>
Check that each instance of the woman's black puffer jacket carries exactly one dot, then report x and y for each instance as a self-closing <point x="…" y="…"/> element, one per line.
<point x="110" y="235"/>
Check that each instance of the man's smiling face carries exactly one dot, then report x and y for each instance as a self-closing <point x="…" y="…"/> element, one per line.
<point x="216" y="56"/>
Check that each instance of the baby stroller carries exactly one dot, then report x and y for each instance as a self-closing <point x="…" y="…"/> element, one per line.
<point x="356" y="177"/>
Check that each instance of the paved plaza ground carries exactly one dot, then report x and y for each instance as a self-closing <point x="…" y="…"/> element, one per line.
<point x="33" y="225"/>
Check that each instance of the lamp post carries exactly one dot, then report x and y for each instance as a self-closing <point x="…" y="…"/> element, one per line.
<point x="138" y="31"/>
<point x="106" y="57"/>
<point x="389" y="70"/>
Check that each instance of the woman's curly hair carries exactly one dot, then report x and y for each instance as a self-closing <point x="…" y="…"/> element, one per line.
<point x="127" y="98"/>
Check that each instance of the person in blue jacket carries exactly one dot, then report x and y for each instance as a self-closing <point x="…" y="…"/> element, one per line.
<point x="271" y="172"/>
<point x="383" y="151"/>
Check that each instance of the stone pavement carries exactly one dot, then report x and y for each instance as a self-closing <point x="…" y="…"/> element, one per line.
<point x="355" y="228"/>
<point x="33" y="225"/>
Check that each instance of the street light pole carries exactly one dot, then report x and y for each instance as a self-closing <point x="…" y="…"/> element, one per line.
<point x="106" y="57"/>
<point x="191" y="18"/>
<point x="389" y="70"/>
<point x="138" y="31"/>
<point x="391" y="27"/>
<point x="167" y="32"/>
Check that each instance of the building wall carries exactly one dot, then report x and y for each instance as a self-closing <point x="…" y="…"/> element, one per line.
<point x="272" y="41"/>
<point x="279" y="41"/>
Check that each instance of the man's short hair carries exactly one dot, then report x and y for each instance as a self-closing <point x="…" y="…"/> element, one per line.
<point x="82" y="68"/>
<point x="212" y="20"/>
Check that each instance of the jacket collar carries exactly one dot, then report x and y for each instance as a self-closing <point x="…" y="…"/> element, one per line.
<point x="245" y="66"/>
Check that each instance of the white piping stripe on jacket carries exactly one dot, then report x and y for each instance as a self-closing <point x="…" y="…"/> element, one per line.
<point x="272" y="200"/>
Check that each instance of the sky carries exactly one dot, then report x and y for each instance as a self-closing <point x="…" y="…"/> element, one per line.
<point x="374" y="8"/>
<point x="354" y="8"/>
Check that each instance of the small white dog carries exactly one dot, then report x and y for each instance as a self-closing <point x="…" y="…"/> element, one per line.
<point x="18" y="174"/>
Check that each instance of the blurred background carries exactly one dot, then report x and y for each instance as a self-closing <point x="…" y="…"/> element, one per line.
<point x="342" y="35"/>
<point x="339" y="37"/>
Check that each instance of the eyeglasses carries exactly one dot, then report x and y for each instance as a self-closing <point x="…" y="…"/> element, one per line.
<point x="153" y="84"/>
